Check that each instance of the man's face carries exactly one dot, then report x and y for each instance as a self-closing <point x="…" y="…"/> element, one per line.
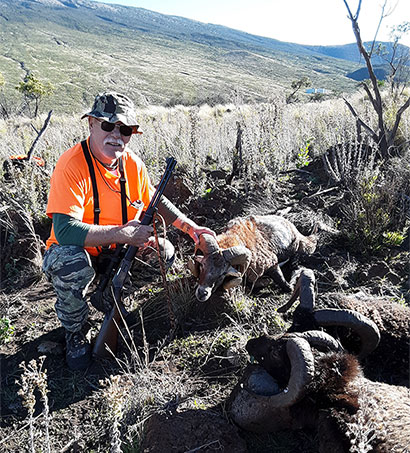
<point x="106" y="146"/>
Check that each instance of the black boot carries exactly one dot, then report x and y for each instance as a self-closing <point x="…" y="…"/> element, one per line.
<point x="102" y="300"/>
<point x="78" y="352"/>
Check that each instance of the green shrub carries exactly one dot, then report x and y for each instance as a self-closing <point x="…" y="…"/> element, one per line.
<point x="303" y="158"/>
<point x="6" y="330"/>
<point x="371" y="216"/>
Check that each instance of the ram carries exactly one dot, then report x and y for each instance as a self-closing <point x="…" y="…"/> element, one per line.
<point x="308" y="383"/>
<point x="307" y="317"/>
<point x="252" y="245"/>
<point x="383" y="339"/>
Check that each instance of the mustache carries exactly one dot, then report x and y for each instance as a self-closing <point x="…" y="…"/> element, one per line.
<point x="116" y="141"/>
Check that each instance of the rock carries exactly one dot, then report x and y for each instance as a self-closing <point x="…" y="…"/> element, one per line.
<point x="378" y="270"/>
<point x="382" y="270"/>
<point x="178" y="190"/>
<point x="217" y="174"/>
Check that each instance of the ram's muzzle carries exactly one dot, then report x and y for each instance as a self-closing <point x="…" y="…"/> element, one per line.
<point x="218" y="267"/>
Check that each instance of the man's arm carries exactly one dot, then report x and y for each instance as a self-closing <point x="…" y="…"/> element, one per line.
<point x="132" y="233"/>
<point x="70" y="231"/>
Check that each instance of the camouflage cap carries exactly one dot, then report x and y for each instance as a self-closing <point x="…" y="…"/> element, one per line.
<point x="113" y="107"/>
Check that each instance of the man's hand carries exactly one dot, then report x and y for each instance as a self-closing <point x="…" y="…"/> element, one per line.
<point x="135" y="233"/>
<point x="196" y="231"/>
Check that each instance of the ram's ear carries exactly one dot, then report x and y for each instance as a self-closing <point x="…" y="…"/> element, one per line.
<point x="194" y="267"/>
<point x="232" y="282"/>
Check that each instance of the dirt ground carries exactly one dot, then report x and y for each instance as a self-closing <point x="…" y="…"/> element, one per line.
<point x="78" y="421"/>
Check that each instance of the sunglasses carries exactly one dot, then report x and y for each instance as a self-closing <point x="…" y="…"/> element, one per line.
<point x="126" y="131"/>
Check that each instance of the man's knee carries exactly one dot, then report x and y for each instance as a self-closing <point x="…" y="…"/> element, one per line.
<point x="149" y="252"/>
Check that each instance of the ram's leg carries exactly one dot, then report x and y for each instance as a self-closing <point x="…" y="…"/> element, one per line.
<point x="276" y="274"/>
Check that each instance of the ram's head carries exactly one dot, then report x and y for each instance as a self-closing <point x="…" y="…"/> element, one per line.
<point x="266" y="401"/>
<point x="215" y="267"/>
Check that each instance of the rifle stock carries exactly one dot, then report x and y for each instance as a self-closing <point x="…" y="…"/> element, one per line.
<point x="107" y="339"/>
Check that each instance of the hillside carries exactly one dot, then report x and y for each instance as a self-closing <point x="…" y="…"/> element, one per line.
<point x="82" y="47"/>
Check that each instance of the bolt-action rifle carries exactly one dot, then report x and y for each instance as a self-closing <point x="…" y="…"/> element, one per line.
<point x="107" y="338"/>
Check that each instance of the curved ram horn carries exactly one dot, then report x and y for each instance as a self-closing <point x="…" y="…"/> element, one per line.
<point x="307" y="289"/>
<point x="320" y="339"/>
<point x="193" y="266"/>
<point x="238" y="255"/>
<point x="364" y="327"/>
<point x="207" y="244"/>
<point x="304" y="288"/>
<point x="252" y="411"/>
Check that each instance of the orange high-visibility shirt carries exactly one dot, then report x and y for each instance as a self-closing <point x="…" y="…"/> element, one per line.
<point x="71" y="191"/>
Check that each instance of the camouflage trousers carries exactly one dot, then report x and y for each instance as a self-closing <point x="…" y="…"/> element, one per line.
<point x="71" y="270"/>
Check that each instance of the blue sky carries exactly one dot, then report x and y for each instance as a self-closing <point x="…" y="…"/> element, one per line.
<point x="322" y="22"/>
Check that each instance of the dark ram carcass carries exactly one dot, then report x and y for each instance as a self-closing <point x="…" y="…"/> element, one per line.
<point x="315" y="384"/>
<point x="382" y="340"/>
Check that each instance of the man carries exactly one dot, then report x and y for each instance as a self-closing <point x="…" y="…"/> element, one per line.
<point x="97" y="188"/>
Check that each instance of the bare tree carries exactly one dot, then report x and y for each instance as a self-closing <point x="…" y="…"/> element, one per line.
<point x="399" y="61"/>
<point x="296" y="86"/>
<point x="382" y="135"/>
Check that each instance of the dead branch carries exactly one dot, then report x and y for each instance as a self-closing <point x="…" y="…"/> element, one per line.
<point x="323" y="192"/>
<point x="42" y="130"/>
<point x="360" y="121"/>
<point x="400" y="112"/>
<point x="382" y="16"/>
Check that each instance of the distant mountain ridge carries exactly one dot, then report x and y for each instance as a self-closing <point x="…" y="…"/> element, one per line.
<point x="350" y="52"/>
<point x="82" y="47"/>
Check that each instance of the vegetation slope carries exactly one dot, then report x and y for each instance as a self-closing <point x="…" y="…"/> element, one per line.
<point x="82" y="47"/>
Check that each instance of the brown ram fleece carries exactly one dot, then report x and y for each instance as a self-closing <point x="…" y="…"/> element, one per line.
<point x="337" y="369"/>
<point x="246" y="232"/>
<point x="264" y="244"/>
